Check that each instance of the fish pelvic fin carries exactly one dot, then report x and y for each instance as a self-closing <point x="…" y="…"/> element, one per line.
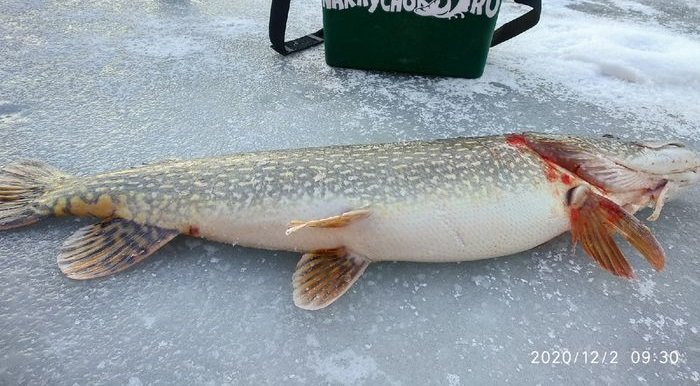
<point x="324" y="275"/>
<point x="110" y="246"/>
<point x="339" y="221"/>
<point x="22" y="184"/>
<point x="594" y="222"/>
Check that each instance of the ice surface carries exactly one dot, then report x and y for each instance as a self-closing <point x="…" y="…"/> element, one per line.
<point x="634" y="66"/>
<point x="100" y="85"/>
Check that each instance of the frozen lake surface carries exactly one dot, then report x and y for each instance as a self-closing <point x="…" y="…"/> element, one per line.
<point x="91" y="86"/>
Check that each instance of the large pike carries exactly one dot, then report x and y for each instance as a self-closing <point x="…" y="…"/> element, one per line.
<point x="345" y="207"/>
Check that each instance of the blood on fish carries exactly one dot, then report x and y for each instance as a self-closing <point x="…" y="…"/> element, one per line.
<point x="518" y="140"/>
<point x="550" y="172"/>
<point x="193" y="231"/>
<point x="574" y="213"/>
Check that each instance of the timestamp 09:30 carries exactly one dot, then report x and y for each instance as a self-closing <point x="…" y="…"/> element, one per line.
<point x="568" y="357"/>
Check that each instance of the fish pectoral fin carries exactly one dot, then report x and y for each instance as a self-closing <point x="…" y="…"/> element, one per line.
<point x="109" y="247"/>
<point x="324" y="275"/>
<point x="594" y="222"/>
<point x="329" y="222"/>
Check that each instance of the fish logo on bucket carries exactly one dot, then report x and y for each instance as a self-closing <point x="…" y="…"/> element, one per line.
<point x="444" y="9"/>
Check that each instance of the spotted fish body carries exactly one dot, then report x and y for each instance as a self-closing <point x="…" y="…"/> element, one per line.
<point x="346" y="206"/>
<point x="430" y="201"/>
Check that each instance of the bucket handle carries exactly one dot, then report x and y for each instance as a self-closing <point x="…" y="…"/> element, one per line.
<point x="278" y="24"/>
<point x="520" y="24"/>
<point x="280" y="10"/>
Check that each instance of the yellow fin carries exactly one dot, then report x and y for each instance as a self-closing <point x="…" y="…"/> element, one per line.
<point x="594" y="222"/>
<point x="22" y="184"/>
<point x="109" y="247"/>
<point x="329" y="222"/>
<point x="324" y="275"/>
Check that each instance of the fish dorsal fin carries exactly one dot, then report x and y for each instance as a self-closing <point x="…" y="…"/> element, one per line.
<point x="324" y="275"/>
<point x="109" y="247"/>
<point x="594" y="222"/>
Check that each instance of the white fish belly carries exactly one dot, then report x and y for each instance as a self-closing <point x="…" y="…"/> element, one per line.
<point x="459" y="230"/>
<point x="429" y="230"/>
<point x="265" y="227"/>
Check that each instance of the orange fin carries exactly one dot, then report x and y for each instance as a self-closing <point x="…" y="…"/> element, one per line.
<point x="324" y="275"/>
<point x="329" y="222"/>
<point x="109" y="247"/>
<point x="594" y="222"/>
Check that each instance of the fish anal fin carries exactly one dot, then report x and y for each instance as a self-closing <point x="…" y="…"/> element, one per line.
<point x="329" y="222"/>
<point x="594" y="222"/>
<point x="109" y="247"/>
<point x="324" y="275"/>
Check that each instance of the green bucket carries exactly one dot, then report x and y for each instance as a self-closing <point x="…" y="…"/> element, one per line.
<point x="432" y="37"/>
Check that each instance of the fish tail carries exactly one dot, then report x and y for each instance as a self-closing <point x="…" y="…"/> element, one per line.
<point x="22" y="185"/>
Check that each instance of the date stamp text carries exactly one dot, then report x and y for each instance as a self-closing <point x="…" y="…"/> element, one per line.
<point x="603" y="357"/>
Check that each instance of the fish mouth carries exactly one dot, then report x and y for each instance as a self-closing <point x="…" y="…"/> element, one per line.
<point x="667" y="158"/>
<point x="674" y="166"/>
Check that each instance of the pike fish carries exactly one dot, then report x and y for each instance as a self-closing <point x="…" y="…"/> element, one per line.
<point x="345" y="207"/>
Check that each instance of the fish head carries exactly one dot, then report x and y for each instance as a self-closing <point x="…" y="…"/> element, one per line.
<point x="633" y="173"/>
<point x="669" y="161"/>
